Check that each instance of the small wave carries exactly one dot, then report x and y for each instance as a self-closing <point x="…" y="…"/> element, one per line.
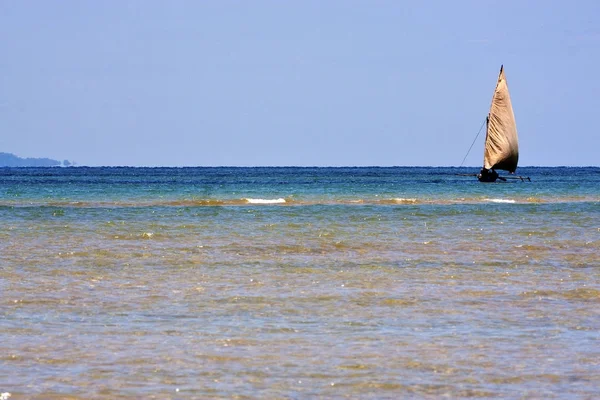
<point x="193" y="203"/>
<point x="265" y="201"/>
<point x="535" y="200"/>
<point x="399" y="200"/>
<point x="508" y="201"/>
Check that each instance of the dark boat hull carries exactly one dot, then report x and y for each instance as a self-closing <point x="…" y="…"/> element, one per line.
<point x="487" y="175"/>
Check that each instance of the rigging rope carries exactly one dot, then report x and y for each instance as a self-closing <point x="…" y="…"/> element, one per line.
<point x="463" y="161"/>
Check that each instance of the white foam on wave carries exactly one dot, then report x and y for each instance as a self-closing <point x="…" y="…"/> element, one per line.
<point x="265" y="201"/>
<point x="500" y="201"/>
<point x="402" y="200"/>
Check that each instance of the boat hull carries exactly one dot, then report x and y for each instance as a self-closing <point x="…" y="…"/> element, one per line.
<point x="487" y="175"/>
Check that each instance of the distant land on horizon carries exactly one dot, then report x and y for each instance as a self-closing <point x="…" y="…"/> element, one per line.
<point x="11" y="160"/>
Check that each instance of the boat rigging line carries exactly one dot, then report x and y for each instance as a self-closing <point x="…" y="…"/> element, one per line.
<point x="480" y="128"/>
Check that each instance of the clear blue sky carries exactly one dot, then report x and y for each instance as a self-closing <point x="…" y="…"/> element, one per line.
<point x="326" y="83"/>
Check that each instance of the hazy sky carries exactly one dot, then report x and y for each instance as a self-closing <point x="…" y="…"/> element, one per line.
<point x="324" y="82"/>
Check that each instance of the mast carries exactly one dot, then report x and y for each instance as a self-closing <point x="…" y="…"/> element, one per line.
<point x="501" y="141"/>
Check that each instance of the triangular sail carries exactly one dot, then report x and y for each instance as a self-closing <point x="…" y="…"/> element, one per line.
<point x="501" y="142"/>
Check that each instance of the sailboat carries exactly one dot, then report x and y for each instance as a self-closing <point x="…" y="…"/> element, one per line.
<point x="501" y="142"/>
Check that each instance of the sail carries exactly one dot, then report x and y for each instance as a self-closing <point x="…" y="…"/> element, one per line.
<point x="501" y="142"/>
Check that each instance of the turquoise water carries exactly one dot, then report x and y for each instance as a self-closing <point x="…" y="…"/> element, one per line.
<point x="298" y="283"/>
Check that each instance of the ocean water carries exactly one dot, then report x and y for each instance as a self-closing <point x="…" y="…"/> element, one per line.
<point x="293" y="283"/>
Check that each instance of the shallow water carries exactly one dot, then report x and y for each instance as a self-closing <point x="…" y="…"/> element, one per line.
<point x="362" y="283"/>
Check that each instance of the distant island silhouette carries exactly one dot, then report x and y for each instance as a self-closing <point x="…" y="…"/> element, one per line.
<point x="11" y="160"/>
